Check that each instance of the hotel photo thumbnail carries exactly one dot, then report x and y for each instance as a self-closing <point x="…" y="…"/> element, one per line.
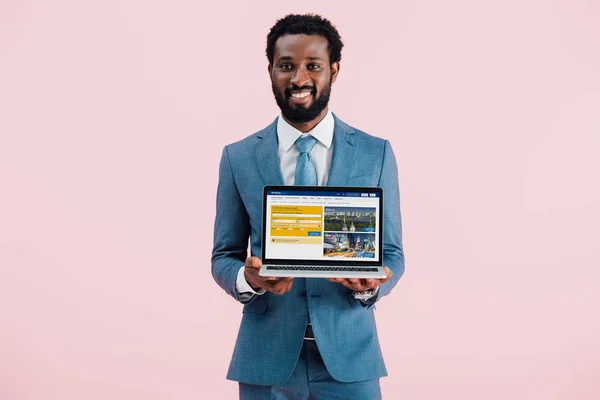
<point x="349" y="244"/>
<point x="350" y="219"/>
<point x="349" y="232"/>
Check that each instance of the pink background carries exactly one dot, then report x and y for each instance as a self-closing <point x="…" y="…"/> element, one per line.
<point x="113" y="115"/>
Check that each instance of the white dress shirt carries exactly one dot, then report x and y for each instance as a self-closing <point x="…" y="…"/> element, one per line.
<point x="320" y="155"/>
<point x="288" y="153"/>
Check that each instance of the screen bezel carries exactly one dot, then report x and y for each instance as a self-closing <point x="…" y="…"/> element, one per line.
<point x="317" y="190"/>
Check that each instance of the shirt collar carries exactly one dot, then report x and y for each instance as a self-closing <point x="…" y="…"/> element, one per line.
<point x="323" y="132"/>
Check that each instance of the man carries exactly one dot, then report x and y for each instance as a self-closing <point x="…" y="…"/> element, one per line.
<point x="303" y="338"/>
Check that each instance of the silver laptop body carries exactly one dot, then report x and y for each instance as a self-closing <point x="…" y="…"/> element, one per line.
<point x="322" y="232"/>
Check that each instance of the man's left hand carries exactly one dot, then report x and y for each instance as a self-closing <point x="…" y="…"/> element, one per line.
<point x="359" y="285"/>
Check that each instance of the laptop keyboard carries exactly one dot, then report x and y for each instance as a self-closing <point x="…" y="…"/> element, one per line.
<point x="307" y="268"/>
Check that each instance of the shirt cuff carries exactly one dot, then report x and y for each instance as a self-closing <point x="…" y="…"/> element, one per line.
<point x="242" y="286"/>
<point x="361" y="295"/>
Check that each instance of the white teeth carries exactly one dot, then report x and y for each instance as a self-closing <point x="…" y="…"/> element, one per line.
<point x="300" y="95"/>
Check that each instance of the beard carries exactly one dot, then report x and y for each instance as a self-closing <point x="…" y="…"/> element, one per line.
<point x="301" y="114"/>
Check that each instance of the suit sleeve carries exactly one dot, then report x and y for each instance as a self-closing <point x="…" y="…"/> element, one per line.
<point x="393" y="254"/>
<point x="231" y="232"/>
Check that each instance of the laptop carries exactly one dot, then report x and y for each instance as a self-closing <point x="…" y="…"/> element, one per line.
<point x="322" y="232"/>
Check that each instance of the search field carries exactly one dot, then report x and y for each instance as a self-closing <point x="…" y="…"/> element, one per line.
<point x="296" y="215"/>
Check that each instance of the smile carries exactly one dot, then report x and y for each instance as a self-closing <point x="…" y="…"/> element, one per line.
<point x="300" y="95"/>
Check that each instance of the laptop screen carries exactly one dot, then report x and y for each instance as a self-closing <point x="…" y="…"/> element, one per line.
<point x="322" y="224"/>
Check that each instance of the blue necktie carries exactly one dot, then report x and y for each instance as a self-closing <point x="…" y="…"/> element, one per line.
<point x="306" y="175"/>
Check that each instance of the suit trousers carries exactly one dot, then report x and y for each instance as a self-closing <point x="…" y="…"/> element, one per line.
<point x="311" y="381"/>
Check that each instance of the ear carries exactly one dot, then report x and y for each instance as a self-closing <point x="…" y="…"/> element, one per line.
<point x="335" y="69"/>
<point x="270" y="69"/>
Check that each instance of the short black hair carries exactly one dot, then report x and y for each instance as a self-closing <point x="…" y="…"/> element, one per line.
<point x="308" y="24"/>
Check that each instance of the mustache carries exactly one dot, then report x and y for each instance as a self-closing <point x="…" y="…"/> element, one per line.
<point x="295" y="88"/>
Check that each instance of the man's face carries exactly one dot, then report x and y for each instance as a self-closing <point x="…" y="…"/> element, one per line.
<point x="301" y="76"/>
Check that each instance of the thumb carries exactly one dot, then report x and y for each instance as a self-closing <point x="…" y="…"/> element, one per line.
<point x="253" y="262"/>
<point x="388" y="275"/>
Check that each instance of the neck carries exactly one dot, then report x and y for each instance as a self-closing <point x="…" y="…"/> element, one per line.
<point x="308" y="126"/>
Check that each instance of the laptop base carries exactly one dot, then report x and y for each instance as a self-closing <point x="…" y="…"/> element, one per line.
<point x="313" y="271"/>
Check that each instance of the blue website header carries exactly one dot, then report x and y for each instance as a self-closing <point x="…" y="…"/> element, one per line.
<point x="321" y="194"/>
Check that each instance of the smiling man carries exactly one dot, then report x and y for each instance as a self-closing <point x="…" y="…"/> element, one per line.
<point x="302" y="93"/>
<point x="303" y="338"/>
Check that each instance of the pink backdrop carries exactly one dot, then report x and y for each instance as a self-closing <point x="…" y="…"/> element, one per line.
<point x="113" y="115"/>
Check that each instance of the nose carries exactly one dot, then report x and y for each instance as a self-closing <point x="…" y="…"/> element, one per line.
<point x="300" y="77"/>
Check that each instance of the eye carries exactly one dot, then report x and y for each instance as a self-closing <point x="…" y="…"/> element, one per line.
<point x="313" y="67"/>
<point x="285" y="67"/>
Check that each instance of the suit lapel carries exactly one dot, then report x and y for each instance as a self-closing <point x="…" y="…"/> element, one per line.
<point x="344" y="151"/>
<point x="266" y="156"/>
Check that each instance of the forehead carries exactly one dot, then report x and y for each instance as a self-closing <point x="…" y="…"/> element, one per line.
<point x="302" y="46"/>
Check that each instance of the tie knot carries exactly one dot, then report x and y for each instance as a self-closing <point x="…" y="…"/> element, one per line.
<point x="305" y="144"/>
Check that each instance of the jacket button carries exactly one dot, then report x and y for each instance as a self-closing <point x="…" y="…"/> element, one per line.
<point x="303" y="294"/>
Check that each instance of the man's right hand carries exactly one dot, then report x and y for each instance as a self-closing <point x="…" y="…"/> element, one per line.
<point x="269" y="283"/>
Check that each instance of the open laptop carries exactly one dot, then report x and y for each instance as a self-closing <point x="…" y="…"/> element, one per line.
<point x="322" y="232"/>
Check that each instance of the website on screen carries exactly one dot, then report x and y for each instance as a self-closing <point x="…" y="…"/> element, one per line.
<point x="326" y="226"/>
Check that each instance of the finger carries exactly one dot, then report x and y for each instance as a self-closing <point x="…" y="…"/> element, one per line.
<point x="358" y="284"/>
<point x="284" y="286"/>
<point x="253" y="262"/>
<point x="289" y="286"/>
<point x="280" y="285"/>
<point x="347" y="283"/>
<point x="251" y="274"/>
<point x="271" y="286"/>
<point x="274" y="290"/>
<point x="361" y="285"/>
<point x="369" y="283"/>
<point x="388" y="275"/>
<point x="268" y="278"/>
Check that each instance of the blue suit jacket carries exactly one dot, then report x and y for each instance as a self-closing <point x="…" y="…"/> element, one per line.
<point x="272" y="329"/>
